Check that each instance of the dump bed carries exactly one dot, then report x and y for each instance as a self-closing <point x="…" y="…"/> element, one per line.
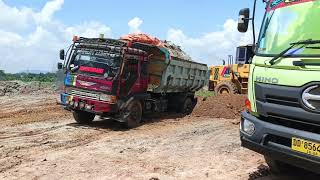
<point x="171" y="70"/>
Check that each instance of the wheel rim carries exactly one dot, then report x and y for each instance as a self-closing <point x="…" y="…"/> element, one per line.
<point x="135" y="114"/>
<point x="224" y="90"/>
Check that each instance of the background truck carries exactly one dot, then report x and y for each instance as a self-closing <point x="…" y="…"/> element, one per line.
<point x="282" y="120"/>
<point x="233" y="77"/>
<point x="125" y="78"/>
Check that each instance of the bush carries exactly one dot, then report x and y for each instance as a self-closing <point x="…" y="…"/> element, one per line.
<point x="204" y="93"/>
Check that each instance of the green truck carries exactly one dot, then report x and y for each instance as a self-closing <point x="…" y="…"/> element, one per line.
<point x="282" y="120"/>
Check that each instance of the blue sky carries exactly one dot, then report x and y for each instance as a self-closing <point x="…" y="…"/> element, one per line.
<point x="192" y="24"/>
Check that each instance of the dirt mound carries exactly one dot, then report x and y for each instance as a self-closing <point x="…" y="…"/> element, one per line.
<point x="18" y="87"/>
<point x="226" y="106"/>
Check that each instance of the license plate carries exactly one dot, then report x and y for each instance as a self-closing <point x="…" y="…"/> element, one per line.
<point x="305" y="146"/>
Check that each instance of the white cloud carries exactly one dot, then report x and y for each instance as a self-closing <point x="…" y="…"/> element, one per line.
<point x="211" y="47"/>
<point x="9" y="37"/>
<point x="14" y="19"/>
<point x="134" y="25"/>
<point x="88" y="29"/>
<point x="48" y="11"/>
<point x="30" y="40"/>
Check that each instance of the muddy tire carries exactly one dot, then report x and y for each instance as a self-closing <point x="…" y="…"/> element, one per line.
<point x="187" y="107"/>
<point x="226" y="87"/>
<point x="133" y="114"/>
<point x="278" y="167"/>
<point x="83" y="117"/>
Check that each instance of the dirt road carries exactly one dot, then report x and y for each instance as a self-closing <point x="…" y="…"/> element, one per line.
<point x="38" y="140"/>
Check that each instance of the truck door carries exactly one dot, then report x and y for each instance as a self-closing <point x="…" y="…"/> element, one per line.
<point x="144" y="76"/>
<point x="129" y="77"/>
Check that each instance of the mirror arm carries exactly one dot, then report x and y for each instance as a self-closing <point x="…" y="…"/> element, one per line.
<point x="253" y="26"/>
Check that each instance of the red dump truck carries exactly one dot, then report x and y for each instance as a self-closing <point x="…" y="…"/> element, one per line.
<point x="124" y="78"/>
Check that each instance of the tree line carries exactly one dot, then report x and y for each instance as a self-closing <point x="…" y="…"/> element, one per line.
<point x="28" y="77"/>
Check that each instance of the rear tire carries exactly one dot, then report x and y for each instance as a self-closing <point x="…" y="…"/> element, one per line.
<point x="226" y="87"/>
<point x="83" y="117"/>
<point x="188" y="106"/>
<point x="133" y="114"/>
<point x="278" y="167"/>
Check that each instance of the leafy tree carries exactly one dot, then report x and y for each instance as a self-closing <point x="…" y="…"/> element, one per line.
<point x="27" y="77"/>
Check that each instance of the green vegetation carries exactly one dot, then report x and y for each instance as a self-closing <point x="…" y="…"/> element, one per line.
<point x="28" y="77"/>
<point x="204" y="93"/>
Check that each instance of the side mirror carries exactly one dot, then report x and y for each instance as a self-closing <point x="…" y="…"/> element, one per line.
<point x="60" y="65"/>
<point x="243" y="21"/>
<point x="62" y="54"/>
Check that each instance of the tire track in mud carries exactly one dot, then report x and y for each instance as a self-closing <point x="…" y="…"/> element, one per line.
<point x="30" y="110"/>
<point x="29" y="133"/>
<point x="43" y="144"/>
<point x="47" y="141"/>
<point x="30" y="115"/>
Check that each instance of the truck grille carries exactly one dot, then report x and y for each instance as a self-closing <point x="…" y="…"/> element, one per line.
<point x="286" y="101"/>
<point x="293" y="123"/>
<point x="84" y="93"/>
<point x="282" y="106"/>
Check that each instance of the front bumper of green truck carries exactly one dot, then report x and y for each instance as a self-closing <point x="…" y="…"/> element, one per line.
<point x="275" y="141"/>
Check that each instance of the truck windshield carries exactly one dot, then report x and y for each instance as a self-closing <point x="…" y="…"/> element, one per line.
<point x="95" y="64"/>
<point x="288" y="21"/>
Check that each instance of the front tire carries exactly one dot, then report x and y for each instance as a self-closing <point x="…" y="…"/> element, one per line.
<point x="83" y="117"/>
<point x="133" y="114"/>
<point x="226" y="87"/>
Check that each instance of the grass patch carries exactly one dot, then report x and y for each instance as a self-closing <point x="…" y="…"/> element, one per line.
<point x="204" y="93"/>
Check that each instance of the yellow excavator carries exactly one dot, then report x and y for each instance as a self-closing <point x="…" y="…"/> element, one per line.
<point x="233" y="77"/>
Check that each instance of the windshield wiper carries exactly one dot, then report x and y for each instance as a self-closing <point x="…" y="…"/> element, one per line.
<point x="309" y="47"/>
<point x="292" y="45"/>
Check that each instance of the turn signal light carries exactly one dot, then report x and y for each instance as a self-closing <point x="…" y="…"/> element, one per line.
<point x="248" y="104"/>
<point x="113" y="99"/>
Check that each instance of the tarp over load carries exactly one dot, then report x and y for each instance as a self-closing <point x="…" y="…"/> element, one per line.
<point x="142" y="38"/>
<point x="173" y="50"/>
<point x="170" y="69"/>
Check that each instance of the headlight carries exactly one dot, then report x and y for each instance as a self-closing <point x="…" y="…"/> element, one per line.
<point x="105" y="97"/>
<point x="248" y="127"/>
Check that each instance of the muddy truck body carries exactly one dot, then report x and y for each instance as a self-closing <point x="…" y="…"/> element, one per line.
<point x="124" y="79"/>
<point x="282" y="120"/>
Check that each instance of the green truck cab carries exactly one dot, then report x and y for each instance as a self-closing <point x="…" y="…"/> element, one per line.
<point x="282" y="120"/>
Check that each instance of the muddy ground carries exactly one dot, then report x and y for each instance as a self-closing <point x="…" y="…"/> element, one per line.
<point x="39" y="140"/>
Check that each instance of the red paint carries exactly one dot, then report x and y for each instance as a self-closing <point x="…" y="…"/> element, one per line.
<point x="103" y="84"/>
<point x="98" y="106"/>
<point x="93" y="79"/>
<point x="224" y="71"/>
<point x="91" y="69"/>
<point x="98" y="84"/>
<point x="286" y="4"/>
